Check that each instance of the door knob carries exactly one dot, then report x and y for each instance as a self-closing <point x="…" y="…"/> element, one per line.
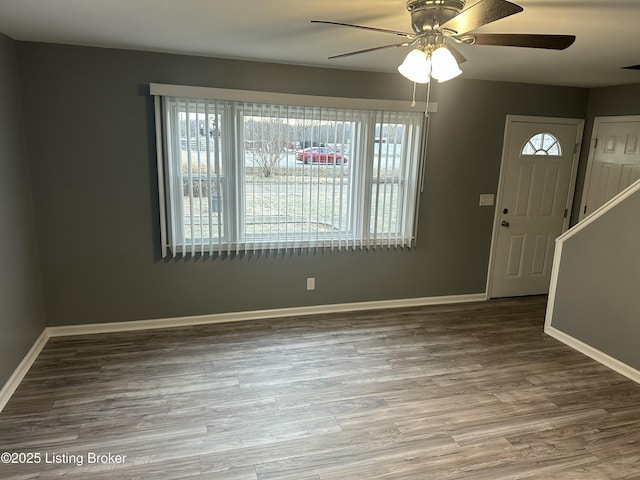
<point x="504" y="223"/>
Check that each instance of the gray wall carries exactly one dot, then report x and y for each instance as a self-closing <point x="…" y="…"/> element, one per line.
<point x="598" y="302"/>
<point x="597" y="298"/>
<point x="606" y="101"/>
<point x="90" y="130"/>
<point x="21" y="303"/>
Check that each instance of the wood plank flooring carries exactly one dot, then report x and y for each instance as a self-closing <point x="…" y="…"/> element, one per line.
<point x="473" y="391"/>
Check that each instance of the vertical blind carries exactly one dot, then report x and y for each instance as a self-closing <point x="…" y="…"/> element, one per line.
<point x="253" y="177"/>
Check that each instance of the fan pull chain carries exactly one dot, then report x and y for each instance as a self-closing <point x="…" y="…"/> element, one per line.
<point x="426" y="111"/>
<point x="413" y="102"/>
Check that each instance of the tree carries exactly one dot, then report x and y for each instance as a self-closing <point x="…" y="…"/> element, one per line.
<point x="267" y="137"/>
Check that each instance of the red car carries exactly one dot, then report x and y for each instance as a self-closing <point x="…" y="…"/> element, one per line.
<point x="320" y="155"/>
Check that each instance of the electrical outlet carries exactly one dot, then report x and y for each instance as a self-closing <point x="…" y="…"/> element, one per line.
<point x="311" y="283"/>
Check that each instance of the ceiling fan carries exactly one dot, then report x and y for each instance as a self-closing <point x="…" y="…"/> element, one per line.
<point x="437" y="24"/>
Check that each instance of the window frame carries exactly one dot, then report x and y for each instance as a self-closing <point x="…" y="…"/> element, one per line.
<point x="232" y="180"/>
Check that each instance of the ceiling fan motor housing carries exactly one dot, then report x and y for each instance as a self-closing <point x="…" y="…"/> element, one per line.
<point x="428" y="15"/>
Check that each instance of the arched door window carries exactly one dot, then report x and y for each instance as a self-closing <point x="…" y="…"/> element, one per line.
<point x="542" y="144"/>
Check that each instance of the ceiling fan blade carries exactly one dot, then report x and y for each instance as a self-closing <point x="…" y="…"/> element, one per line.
<point x="479" y="14"/>
<point x="366" y="50"/>
<point x="456" y="54"/>
<point x="373" y="29"/>
<point x="551" y="42"/>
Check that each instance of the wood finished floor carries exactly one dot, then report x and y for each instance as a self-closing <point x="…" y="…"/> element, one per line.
<point x="473" y="391"/>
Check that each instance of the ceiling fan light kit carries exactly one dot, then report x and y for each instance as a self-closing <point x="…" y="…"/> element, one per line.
<point x="444" y="65"/>
<point x="416" y="67"/>
<point x="423" y="63"/>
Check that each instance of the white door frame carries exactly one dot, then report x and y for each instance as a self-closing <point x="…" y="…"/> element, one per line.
<point x="592" y="153"/>
<point x="503" y="162"/>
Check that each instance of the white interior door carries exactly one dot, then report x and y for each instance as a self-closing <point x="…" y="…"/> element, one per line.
<point x="536" y="184"/>
<point x="614" y="161"/>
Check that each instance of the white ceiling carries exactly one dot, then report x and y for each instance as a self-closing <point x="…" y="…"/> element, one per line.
<point x="279" y="31"/>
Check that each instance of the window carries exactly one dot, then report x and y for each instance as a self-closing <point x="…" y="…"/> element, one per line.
<point x="542" y="144"/>
<point x="241" y="175"/>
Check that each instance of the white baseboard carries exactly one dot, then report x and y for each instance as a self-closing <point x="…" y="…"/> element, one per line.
<point x="12" y="384"/>
<point x="594" y="353"/>
<point x="16" y="377"/>
<point x="258" y="315"/>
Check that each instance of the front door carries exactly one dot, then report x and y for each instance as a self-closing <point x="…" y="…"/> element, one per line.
<point x="536" y="186"/>
<point x="614" y="161"/>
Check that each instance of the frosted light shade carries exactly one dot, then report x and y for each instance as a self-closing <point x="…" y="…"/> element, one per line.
<point x="444" y="65"/>
<point x="416" y="67"/>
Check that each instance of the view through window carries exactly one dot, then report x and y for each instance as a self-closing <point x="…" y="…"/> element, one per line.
<point x="252" y="177"/>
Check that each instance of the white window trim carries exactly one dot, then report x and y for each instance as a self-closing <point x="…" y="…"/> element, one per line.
<point x="168" y="90"/>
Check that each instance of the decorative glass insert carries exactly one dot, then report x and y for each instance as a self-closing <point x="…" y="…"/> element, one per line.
<point x="542" y="144"/>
